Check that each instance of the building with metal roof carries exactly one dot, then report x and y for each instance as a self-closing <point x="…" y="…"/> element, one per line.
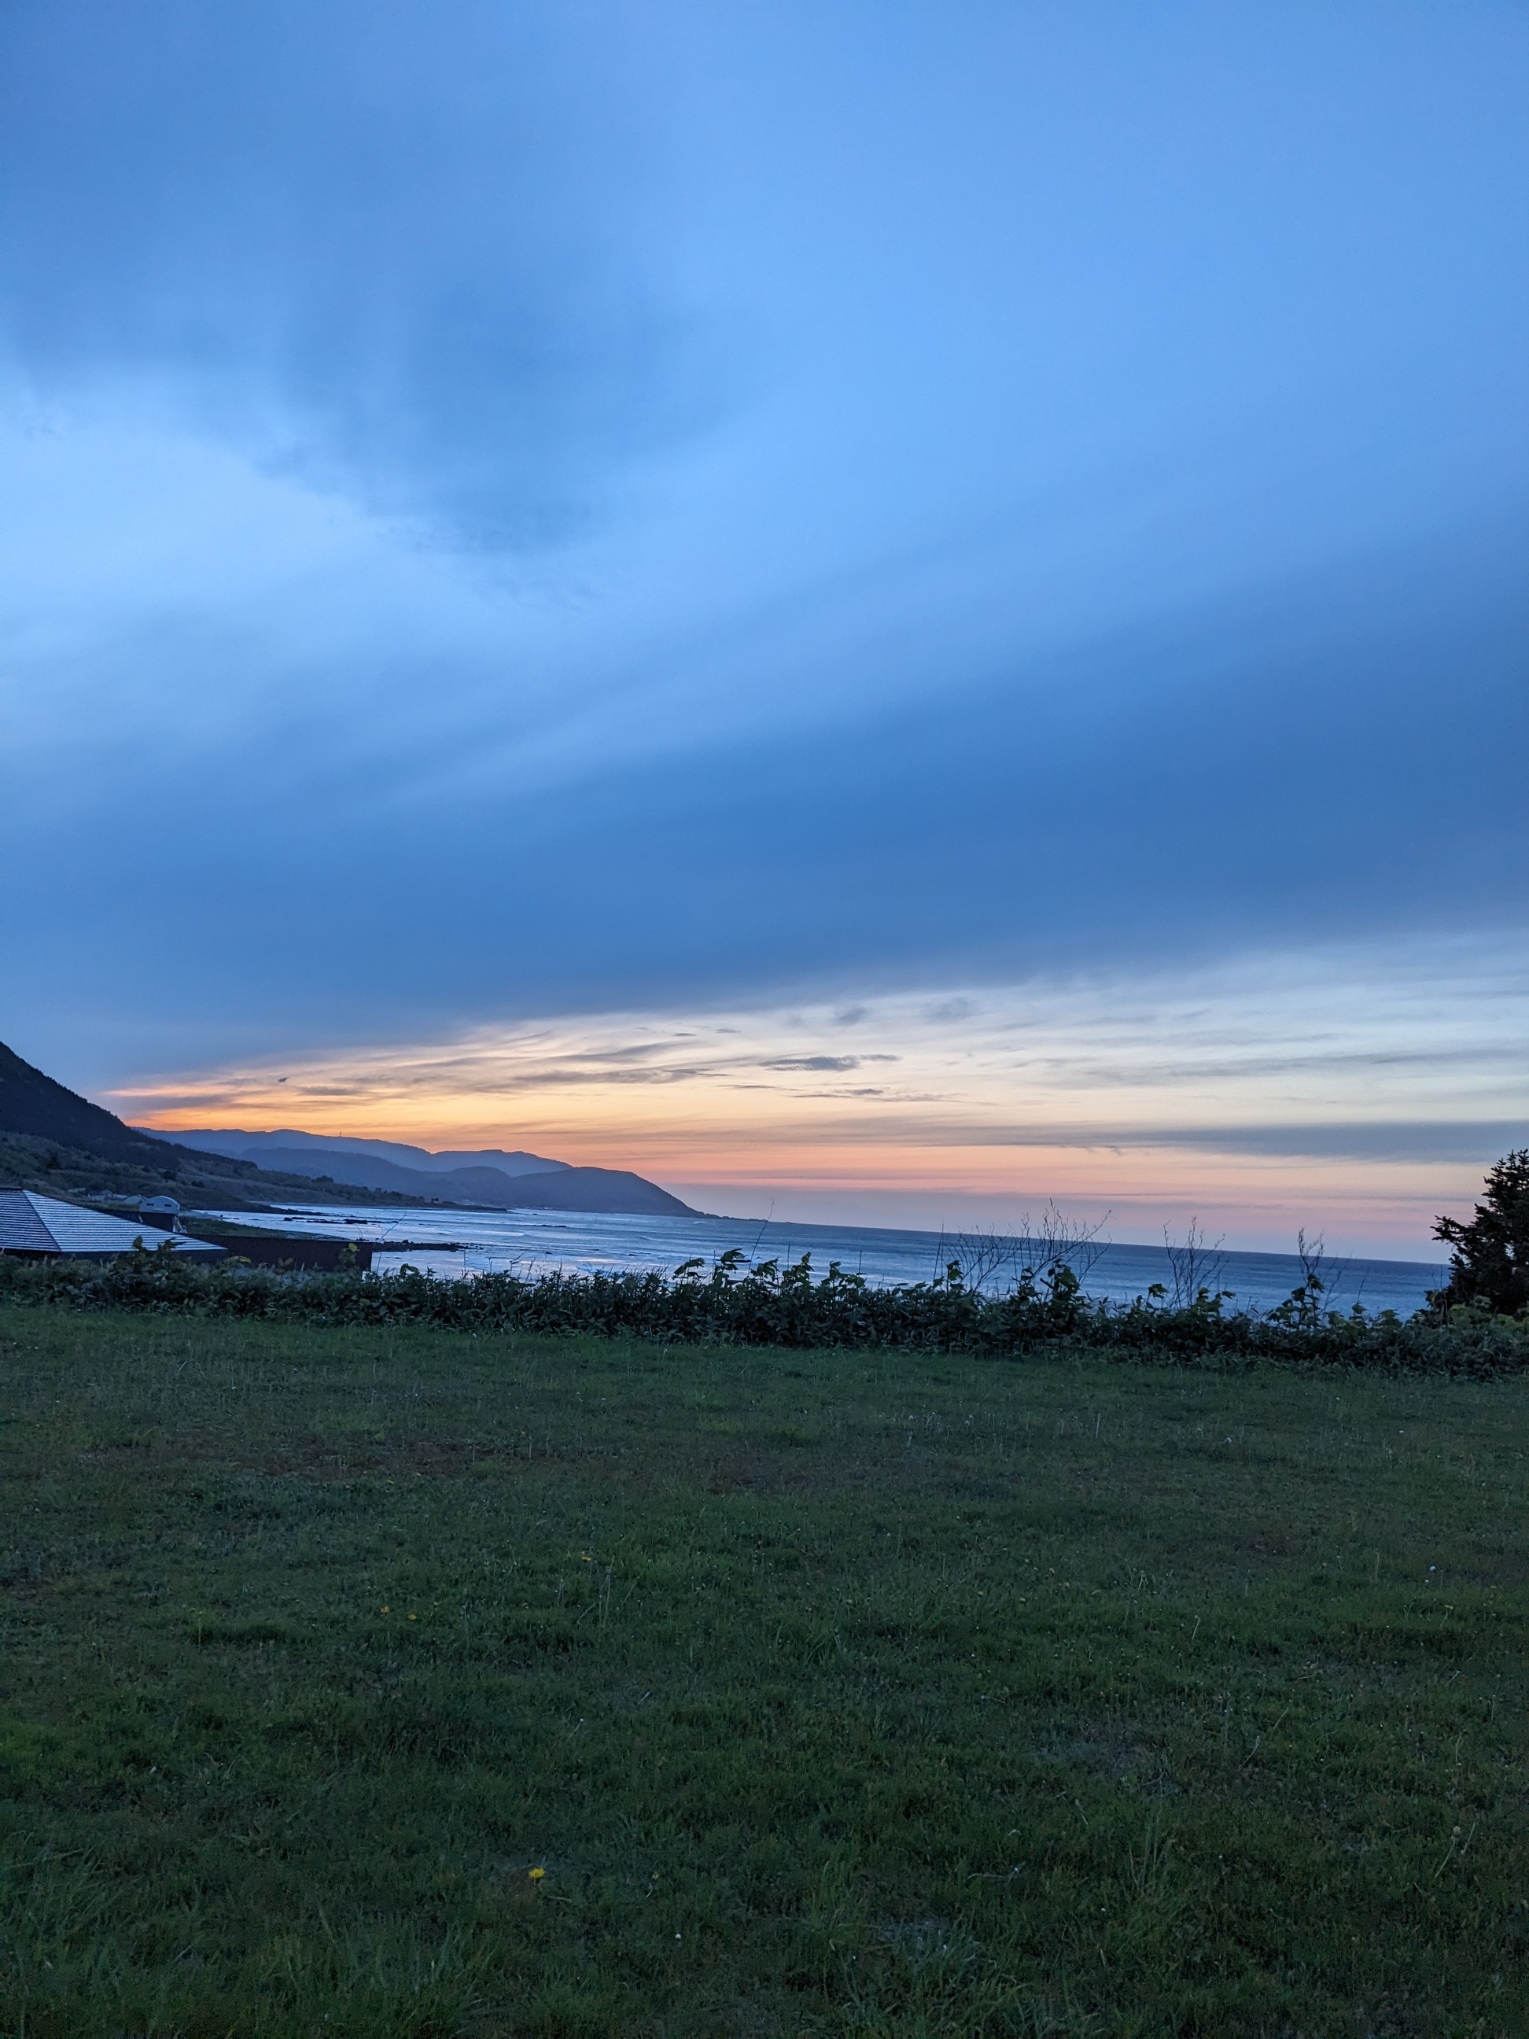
<point x="33" y="1226"/>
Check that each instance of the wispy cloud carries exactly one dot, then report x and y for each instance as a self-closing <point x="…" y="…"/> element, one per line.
<point x="1070" y="1101"/>
<point x="827" y="1062"/>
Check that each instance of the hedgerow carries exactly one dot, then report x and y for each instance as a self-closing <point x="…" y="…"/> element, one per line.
<point x="771" y="1305"/>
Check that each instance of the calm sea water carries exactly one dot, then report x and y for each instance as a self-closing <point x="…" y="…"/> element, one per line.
<point x="532" y="1242"/>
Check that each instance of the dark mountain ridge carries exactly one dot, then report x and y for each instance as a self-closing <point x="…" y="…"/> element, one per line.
<point x="37" y="1108"/>
<point x="263" y="1148"/>
<point x="547" y="1185"/>
<point x="54" y="1140"/>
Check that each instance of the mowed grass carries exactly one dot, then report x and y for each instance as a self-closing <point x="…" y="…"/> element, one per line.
<point x="832" y="1693"/>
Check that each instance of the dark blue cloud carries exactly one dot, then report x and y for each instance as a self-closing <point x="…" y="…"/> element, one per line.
<point x="1339" y="758"/>
<point x="408" y="253"/>
<point x="1475" y="1141"/>
<point x="1110" y="546"/>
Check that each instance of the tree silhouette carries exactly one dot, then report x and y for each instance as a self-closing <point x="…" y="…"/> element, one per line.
<point x="1489" y="1267"/>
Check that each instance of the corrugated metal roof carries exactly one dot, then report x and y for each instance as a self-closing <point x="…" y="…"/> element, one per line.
<point x="30" y="1223"/>
<point x="20" y="1227"/>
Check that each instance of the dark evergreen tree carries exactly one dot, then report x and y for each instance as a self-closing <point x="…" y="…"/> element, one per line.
<point x="1489" y="1267"/>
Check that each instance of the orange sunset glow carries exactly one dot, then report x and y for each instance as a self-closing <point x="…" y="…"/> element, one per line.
<point x="975" y="1106"/>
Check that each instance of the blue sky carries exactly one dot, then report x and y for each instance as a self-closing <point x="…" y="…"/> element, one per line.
<point x="598" y="518"/>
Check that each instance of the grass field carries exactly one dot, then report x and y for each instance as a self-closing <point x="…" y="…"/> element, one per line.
<point x="400" y="1682"/>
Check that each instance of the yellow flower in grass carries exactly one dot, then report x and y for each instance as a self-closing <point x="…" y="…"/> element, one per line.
<point x="535" y="1875"/>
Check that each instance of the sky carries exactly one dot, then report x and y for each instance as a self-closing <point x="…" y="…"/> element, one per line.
<point x="880" y="611"/>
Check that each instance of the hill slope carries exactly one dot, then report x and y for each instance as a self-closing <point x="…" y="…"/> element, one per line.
<point x="553" y="1186"/>
<point x="572" y="1189"/>
<point x="53" y="1140"/>
<point x="262" y="1149"/>
<point x="37" y="1108"/>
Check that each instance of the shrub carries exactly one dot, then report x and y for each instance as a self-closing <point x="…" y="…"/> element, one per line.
<point x="1489" y="1267"/>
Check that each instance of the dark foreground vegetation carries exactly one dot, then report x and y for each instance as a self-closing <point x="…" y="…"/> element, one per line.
<point x="1489" y="1257"/>
<point x="733" y="1304"/>
<point x="367" y="1680"/>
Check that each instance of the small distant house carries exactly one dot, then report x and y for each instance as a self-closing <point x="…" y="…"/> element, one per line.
<point x="36" y="1227"/>
<point x="162" y="1212"/>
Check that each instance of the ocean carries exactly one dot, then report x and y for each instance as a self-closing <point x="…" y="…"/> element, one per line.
<point x="534" y="1242"/>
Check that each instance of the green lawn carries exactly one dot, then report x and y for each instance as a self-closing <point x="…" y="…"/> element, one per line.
<point x="831" y="1693"/>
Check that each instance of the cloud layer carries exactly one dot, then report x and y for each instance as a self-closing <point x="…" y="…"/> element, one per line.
<point x="529" y="514"/>
<point x="1347" y="1088"/>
